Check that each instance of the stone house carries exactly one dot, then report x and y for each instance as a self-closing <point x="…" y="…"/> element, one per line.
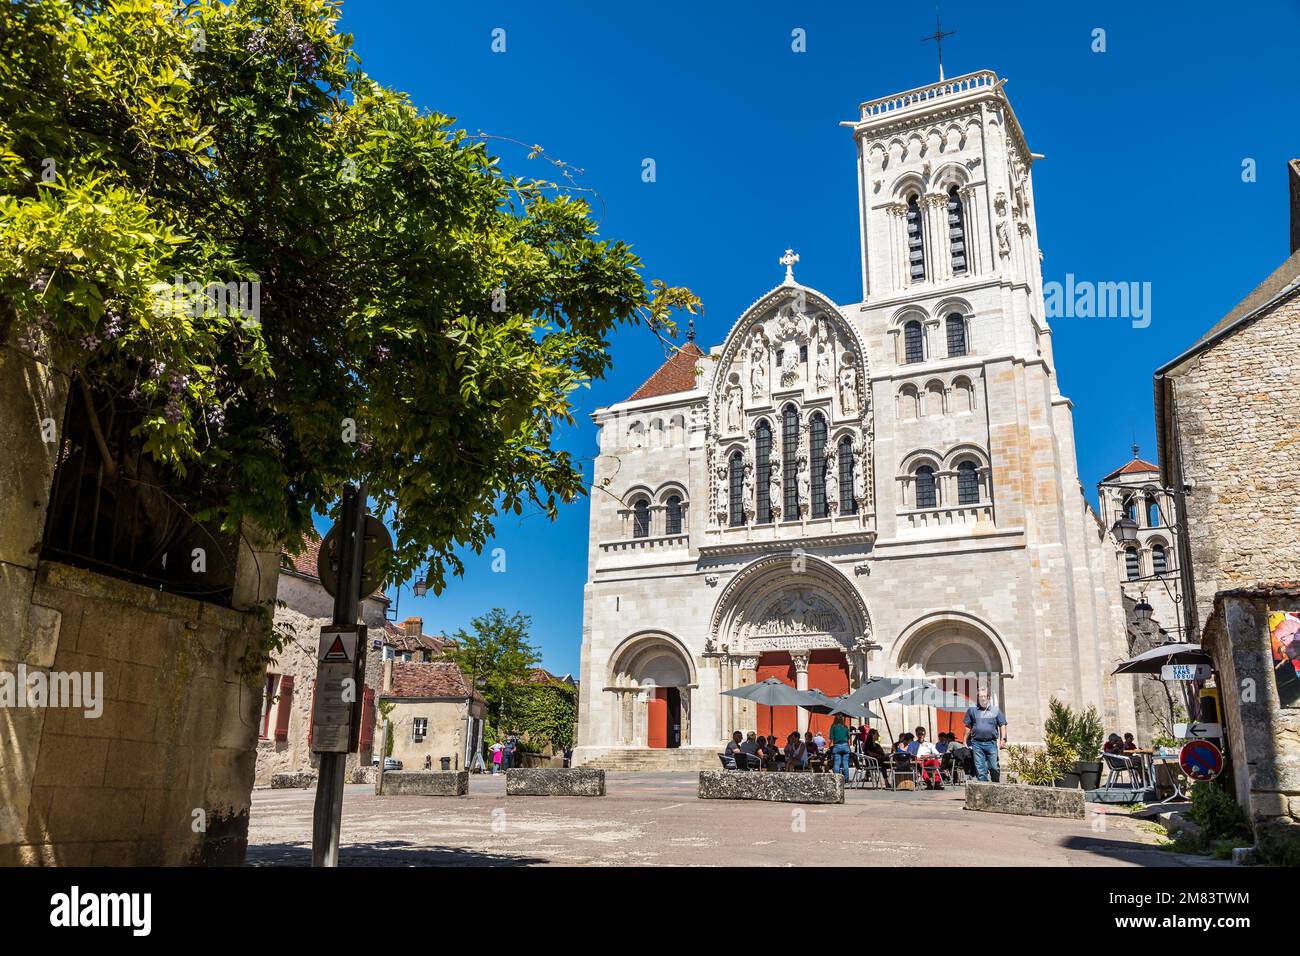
<point x="284" y="723"/>
<point x="433" y="712"/>
<point x="1228" y="421"/>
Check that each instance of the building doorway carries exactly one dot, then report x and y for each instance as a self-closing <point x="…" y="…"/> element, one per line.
<point x="664" y="718"/>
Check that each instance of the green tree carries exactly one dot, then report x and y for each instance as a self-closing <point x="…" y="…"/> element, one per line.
<point x="546" y="712"/>
<point x="497" y="652"/>
<point x="415" y="318"/>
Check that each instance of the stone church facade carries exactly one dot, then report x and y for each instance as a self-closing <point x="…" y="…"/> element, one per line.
<point x="842" y="490"/>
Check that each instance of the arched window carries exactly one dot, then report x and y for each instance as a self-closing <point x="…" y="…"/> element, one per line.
<point x="956" y="335"/>
<point x="968" y="484"/>
<point x="1132" y="564"/>
<point x="847" y="505"/>
<point x="673" y="515"/>
<point x="1159" y="560"/>
<point x="956" y="231"/>
<point x="789" y="462"/>
<point x="641" y="519"/>
<point x="1153" y="512"/>
<point x="817" y="464"/>
<point x="925" y="493"/>
<point x="915" y="240"/>
<point x="1130" y="508"/>
<point x="763" y="461"/>
<point x="913" y="349"/>
<point x="736" y="505"/>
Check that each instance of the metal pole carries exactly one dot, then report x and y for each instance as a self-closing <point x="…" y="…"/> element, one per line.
<point x="328" y="813"/>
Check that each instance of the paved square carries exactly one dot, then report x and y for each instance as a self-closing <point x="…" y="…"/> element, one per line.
<point x="656" y="819"/>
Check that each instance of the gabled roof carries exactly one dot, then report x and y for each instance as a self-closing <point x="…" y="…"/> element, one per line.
<point x="430" y="679"/>
<point x="677" y="374"/>
<point x="1135" y="467"/>
<point x="395" y="636"/>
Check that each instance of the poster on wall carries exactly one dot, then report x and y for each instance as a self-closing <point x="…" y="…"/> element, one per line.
<point x="1284" y="635"/>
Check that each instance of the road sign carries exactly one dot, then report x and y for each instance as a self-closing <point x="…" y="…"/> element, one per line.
<point x="1185" y="672"/>
<point x="1200" y="760"/>
<point x="1198" y="730"/>
<point x="376" y="540"/>
<point x="336" y="707"/>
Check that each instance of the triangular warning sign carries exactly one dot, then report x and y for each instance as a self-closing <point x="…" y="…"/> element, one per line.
<point x="337" y="652"/>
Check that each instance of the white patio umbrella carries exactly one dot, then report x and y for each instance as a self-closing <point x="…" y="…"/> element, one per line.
<point x="769" y="693"/>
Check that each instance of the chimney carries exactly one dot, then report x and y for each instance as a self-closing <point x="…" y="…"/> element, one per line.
<point x="388" y="677"/>
<point x="1293" y="168"/>
<point x="414" y="626"/>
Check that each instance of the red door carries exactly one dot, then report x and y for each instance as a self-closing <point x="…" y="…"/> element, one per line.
<point x="657" y="719"/>
<point x="780" y="721"/>
<point x="829" y="673"/>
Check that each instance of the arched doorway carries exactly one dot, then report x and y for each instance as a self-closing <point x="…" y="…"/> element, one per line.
<point x="653" y="676"/>
<point x="958" y="653"/>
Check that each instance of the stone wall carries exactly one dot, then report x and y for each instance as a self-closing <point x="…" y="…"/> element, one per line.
<point x="1236" y="407"/>
<point x="446" y="735"/>
<point x="1263" y="736"/>
<point x="162" y="775"/>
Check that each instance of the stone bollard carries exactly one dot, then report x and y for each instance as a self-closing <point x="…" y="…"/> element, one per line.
<point x="554" y="782"/>
<point x="422" y="783"/>
<point x="778" y="787"/>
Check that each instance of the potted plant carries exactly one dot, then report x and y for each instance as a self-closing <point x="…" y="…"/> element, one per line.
<point x="1041" y="766"/>
<point x="1082" y="733"/>
<point x="1086" y="737"/>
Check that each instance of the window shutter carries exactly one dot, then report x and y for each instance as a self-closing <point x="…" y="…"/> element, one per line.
<point x="367" y="719"/>
<point x="311" y="714"/>
<point x="284" y="708"/>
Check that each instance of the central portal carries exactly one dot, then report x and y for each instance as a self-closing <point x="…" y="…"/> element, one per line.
<point x="828" y="672"/>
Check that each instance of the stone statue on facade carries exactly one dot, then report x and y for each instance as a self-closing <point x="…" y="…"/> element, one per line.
<point x="848" y="389"/>
<point x="747" y="489"/>
<point x="733" y="409"/>
<point x="758" y="372"/>
<point x="832" y="481"/>
<point x="774" y="490"/>
<point x="823" y="371"/>
<point x="803" y="483"/>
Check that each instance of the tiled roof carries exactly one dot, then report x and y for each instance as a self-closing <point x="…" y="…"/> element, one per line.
<point x="395" y="636"/>
<point x="431" y="679"/>
<point x="1135" y="467"/>
<point x="305" y="563"/>
<point x="677" y="374"/>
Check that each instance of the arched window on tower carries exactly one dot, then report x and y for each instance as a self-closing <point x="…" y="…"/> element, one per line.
<point x="763" y="463"/>
<point x="1132" y="564"/>
<point x="789" y="462"/>
<point x="926" y="496"/>
<point x="736" y="504"/>
<point x="1153" y="512"/>
<point x="915" y="240"/>
<point x="817" y="464"/>
<point x="641" y="519"/>
<point x="1130" y="508"/>
<point x="847" y="505"/>
<point x="968" y="484"/>
<point x="1159" y="559"/>
<point x="956" y="232"/>
<point x="673" y="515"/>
<point x="913" y="343"/>
<point x="956" y="326"/>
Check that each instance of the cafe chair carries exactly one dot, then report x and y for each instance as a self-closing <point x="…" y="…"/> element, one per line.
<point x="1119" y="766"/>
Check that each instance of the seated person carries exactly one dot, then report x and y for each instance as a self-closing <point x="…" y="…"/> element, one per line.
<point x="747" y="757"/>
<point x="775" y="756"/>
<point x="820" y="741"/>
<point x="796" y="752"/>
<point x="810" y="743"/>
<point x="904" y="741"/>
<point x="1129" y="743"/>
<point x="927" y="756"/>
<point x="873" y="749"/>
<point x="1114" y="745"/>
<point x="941" y="745"/>
<point x="737" y="738"/>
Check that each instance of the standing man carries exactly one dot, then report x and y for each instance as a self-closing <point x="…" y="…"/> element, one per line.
<point x="986" y="728"/>
<point x="508" y="754"/>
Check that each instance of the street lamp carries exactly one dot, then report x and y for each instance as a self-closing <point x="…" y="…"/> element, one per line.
<point x="1142" y="611"/>
<point x="420" y="587"/>
<point x="1125" y="530"/>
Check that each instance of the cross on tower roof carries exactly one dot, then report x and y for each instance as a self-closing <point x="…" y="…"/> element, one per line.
<point x="937" y="36"/>
<point x="788" y="260"/>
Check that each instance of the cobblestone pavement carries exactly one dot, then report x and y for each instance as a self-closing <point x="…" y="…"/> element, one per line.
<point x="656" y="819"/>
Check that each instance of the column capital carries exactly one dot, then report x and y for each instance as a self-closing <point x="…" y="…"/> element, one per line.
<point x="800" y="659"/>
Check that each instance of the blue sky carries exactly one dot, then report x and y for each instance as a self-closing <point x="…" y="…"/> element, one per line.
<point x="1142" y="180"/>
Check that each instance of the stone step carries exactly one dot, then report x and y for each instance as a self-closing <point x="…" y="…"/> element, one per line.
<point x="649" y="760"/>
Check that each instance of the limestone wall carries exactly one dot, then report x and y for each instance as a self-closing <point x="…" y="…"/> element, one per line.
<point x="1237" y="406"/>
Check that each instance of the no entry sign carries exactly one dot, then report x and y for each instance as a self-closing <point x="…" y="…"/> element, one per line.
<point x="1200" y="760"/>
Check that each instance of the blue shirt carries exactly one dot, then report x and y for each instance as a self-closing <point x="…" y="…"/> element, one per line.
<point x="984" y="724"/>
